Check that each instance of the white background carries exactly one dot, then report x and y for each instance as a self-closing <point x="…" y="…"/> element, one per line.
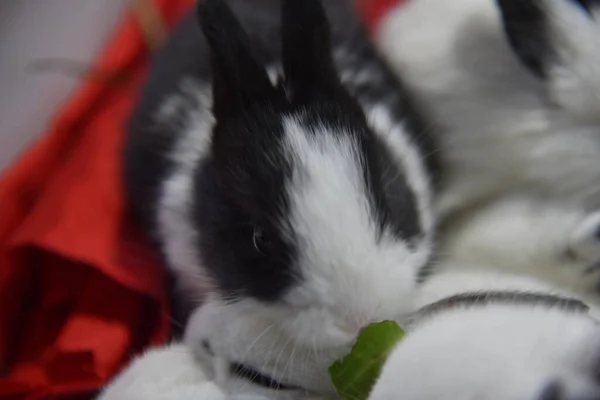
<point x="40" y="29"/>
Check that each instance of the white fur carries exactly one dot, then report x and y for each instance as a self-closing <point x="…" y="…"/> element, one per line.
<point x="521" y="177"/>
<point x="252" y="338"/>
<point x="504" y="130"/>
<point x="497" y="352"/>
<point x="515" y="235"/>
<point x="167" y="373"/>
<point x="503" y="351"/>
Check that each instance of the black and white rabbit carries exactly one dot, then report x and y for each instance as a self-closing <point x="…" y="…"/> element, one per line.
<point x="282" y="168"/>
<point x="476" y="332"/>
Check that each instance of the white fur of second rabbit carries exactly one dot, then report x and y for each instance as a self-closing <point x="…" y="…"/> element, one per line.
<point x="508" y="130"/>
<point x="520" y="154"/>
<point x="502" y="352"/>
<point x="523" y="145"/>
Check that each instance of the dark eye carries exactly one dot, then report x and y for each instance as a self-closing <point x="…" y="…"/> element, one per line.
<point x="261" y="241"/>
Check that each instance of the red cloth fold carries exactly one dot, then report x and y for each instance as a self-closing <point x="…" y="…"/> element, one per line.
<point x="80" y="290"/>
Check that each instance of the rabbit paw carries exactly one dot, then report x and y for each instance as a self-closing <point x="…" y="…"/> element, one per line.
<point x="168" y="373"/>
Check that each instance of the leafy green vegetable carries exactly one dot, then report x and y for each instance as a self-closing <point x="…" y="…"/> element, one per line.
<point x="355" y="374"/>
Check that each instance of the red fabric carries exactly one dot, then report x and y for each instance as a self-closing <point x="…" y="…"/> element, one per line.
<point x="80" y="291"/>
<point x="374" y="10"/>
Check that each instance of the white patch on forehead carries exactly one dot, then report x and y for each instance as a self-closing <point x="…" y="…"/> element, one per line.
<point x="349" y="268"/>
<point x="329" y="200"/>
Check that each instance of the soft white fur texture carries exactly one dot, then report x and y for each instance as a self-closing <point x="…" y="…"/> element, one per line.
<point x="522" y="178"/>
<point x="496" y="352"/>
<point x="504" y="351"/>
<point x="168" y="373"/>
<point x="505" y="130"/>
<point x="520" y="153"/>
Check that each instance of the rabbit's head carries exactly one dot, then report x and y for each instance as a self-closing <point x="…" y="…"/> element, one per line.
<point x="304" y="215"/>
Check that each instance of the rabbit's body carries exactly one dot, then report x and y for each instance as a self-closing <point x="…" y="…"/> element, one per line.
<point x="293" y="185"/>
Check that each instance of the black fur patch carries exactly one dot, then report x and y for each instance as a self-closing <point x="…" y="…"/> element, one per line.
<point x="397" y="203"/>
<point x="236" y="193"/>
<point x="553" y="391"/>
<point x="528" y="31"/>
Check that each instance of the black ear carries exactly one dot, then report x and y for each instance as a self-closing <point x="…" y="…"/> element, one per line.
<point x="528" y="28"/>
<point x="307" y="56"/>
<point x="239" y="78"/>
<point x="541" y="31"/>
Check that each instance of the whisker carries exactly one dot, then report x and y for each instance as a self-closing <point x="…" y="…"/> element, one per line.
<point x="264" y="332"/>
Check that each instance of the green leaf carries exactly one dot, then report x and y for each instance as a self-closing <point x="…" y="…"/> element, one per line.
<point x="355" y="374"/>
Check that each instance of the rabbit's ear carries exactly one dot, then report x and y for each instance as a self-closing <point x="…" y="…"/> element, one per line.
<point x="307" y="56"/>
<point x="559" y="41"/>
<point x="239" y="79"/>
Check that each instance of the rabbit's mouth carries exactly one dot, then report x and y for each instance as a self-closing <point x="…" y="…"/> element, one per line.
<point x="257" y="378"/>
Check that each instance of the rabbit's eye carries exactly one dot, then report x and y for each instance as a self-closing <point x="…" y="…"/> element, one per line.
<point x="261" y="241"/>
